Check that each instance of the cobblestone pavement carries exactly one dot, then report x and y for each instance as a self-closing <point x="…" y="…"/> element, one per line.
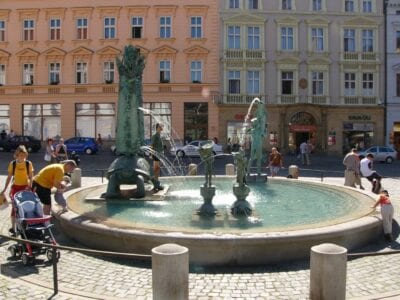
<point x="87" y="277"/>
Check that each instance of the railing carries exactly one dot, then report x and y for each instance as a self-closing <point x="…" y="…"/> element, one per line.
<point x="360" y="56"/>
<point x="360" y="100"/>
<point x="249" y="54"/>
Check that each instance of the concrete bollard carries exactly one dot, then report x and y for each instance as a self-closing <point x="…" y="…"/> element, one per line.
<point x="76" y="178"/>
<point x="230" y="169"/>
<point x="192" y="170"/>
<point x="293" y="172"/>
<point x="170" y="272"/>
<point x="328" y="265"/>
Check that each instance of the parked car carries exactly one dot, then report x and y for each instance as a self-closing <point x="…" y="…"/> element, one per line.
<point x="192" y="149"/>
<point x="381" y="153"/>
<point x="79" y="144"/>
<point x="31" y="143"/>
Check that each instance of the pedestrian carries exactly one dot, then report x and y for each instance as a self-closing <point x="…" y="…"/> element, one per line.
<point x="3" y="135"/>
<point x="49" y="155"/>
<point x="352" y="174"/>
<point x="366" y="168"/>
<point x="61" y="151"/>
<point x="275" y="162"/>
<point x="49" y="177"/>
<point x="305" y="153"/>
<point x="20" y="172"/>
<point x="11" y="134"/>
<point x="158" y="148"/>
<point x="99" y="141"/>
<point x="387" y="212"/>
<point x="229" y="146"/>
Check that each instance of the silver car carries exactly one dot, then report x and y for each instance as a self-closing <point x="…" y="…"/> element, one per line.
<point x="380" y="153"/>
<point x="192" y="149"/>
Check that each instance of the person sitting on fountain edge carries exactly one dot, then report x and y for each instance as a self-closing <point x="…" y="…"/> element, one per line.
<point x="157" y="145"/>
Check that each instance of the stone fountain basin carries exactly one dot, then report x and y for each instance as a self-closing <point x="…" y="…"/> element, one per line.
<point x="220" y="248"/>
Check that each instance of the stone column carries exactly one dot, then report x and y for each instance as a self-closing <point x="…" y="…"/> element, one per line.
<point x="192" y="170"/>
<point x="170" y="272"/>
<point x="76" y="178"/>
<point x="230" y="169"/>
<point x="328" y="265"/>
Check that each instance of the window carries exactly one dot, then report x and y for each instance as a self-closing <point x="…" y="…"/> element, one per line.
<point x="287" y="38"/>
<point x="349" y="5"/>
<point x="163" y="112"/>
<point x="196" y="28"/>
<point x="54" y="73"/>
<point x="398" y="85"/>
<point x="165" y="71"/>
<point x="287" y="83"/>
<point x="367" y="84"/>
<point x="317" y="39"/>
<point x="196" y="71"/>
<point x="109" y="28"/>
<point x="234" y="82"/>
<point x="233" y="3"/>
<point x="253" y="37"/>
<point x="317" y="83"/>
<point x="287" y="4"/>
<point x="108" y="71"/>
<point x="349" y="40"/>
<point x="367" y="40"/>
<point x="234" y="37"/>
<point x="165" y="27"/>
<point x="252" y="4"/>
<point x="2" y="74"/>
<point x="29" y="26"/>
<point x="94" y="118"/>
<point x="28" y="73"/>
<point x="5" y="117"/>
<point x="55" y="29"/>
<point x="137" y="27"/>
<point x="42" y="120"/>
<point x="316" y="5"/>
<point x="398" y="40"/>
<point x="349" y="84"/>
<point x="81" y="29"/>
<point x="253" y="82"/>
<point x="81" y="73"/>
<point x="367" y="6"/>
<point x="2" y="31"/>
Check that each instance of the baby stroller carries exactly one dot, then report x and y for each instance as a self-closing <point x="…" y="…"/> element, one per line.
<point x="32" y="225"/>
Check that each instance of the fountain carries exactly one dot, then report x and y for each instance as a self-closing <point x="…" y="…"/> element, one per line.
<point x="292" y="216"/>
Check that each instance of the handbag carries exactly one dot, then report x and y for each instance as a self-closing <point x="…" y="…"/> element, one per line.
<point x="47" y="157"/>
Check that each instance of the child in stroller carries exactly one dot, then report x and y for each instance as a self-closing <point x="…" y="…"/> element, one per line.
<point x="31" y="224"/>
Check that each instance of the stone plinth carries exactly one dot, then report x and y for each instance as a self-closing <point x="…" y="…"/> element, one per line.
<point x="207" y="192"/>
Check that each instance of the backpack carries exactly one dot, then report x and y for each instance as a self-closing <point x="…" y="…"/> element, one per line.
<point x="14" y="163"/>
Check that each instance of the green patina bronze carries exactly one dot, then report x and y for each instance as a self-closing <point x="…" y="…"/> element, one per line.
<point x="129" y="168"/>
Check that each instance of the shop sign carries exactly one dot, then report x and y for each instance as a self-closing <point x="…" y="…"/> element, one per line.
<point x="360" y="117"/>
<point x="358" y="127"/>
<point x="302" y="128"/>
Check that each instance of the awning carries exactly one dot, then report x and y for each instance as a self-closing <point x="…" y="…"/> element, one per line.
<point x="396" y="127"/>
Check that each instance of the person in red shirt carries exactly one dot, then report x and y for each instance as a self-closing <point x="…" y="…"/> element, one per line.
<point x="387" y="214"/>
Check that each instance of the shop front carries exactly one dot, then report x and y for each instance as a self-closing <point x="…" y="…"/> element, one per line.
<point x="395" y="137"/>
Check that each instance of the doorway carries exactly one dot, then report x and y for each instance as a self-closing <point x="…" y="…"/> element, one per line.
<point x="301" y="137"/>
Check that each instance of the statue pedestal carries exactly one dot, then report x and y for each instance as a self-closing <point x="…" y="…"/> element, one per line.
<point x="241" y="207"/>
<point x="207" y="192"/>
<point x="207" y="221"/>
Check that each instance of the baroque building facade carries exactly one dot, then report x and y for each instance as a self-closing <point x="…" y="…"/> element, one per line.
<point x="58" y="75"/>
<point x="393" y="73"/>
<point x="317" y="64"/>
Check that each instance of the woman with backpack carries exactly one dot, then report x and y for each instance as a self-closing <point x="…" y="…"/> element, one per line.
<point x="20" y="171"/>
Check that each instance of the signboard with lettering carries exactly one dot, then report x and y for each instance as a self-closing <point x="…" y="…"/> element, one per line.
<point x="360" y="117"/>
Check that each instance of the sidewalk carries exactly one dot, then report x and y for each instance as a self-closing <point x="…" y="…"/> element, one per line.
<point x="87" y="277"/>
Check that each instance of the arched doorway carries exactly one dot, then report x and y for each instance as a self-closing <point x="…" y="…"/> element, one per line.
<point x="302" y="127"/>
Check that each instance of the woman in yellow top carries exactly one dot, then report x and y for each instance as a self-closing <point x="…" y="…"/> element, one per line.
<point x="21" y="171"/>
<point x="49" y="177"/>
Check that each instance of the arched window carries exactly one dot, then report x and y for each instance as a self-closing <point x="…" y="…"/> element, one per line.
<point x="303" y="118"/>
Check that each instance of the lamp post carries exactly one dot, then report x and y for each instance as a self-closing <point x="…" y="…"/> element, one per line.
<point x="385" y="4"/>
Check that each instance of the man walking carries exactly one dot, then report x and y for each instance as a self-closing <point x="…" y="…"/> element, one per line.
<point x="305" y="153"/>
<point x="352" y="174"/>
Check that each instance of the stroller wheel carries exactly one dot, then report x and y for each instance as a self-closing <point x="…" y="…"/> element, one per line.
<point x="50" y="256"/>
<point x="26" y="259"/>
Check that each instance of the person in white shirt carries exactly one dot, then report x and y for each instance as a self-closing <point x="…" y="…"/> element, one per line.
<point x="305" y="153"/>
<point x="366" y="168"/>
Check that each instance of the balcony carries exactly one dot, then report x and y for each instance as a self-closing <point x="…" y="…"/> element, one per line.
<point x="319" y="100"/>
<point x="360" y="100"/>
<point x="287" y="99"/>
<point x="366" y="57"/>
<point x="244" y="54"/>
<point x="236" y="99"/>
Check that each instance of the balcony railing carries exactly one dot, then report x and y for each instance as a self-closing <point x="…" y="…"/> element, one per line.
<point x="360" y="56"/>
<point x="360" y="100"/>
<point x="248" y="54"/>
<point x="320" y="100"/>
<point x="236" y="98"/>
<point x="287" y="99"/>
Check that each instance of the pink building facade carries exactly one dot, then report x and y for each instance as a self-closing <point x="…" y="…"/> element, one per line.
<point x="58" y="75"/>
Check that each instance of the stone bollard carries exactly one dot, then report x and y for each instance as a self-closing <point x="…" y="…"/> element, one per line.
<point x="293" y="172"/>
<point x="328" y="263"/>
<point x="170" y="272"/>
<point x="192" y="170"/>
<point x="230" y="169"/>
<point x="76" y="178"/>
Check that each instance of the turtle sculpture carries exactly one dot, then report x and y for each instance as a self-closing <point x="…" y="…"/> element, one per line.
<point x="127" y="170"/>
